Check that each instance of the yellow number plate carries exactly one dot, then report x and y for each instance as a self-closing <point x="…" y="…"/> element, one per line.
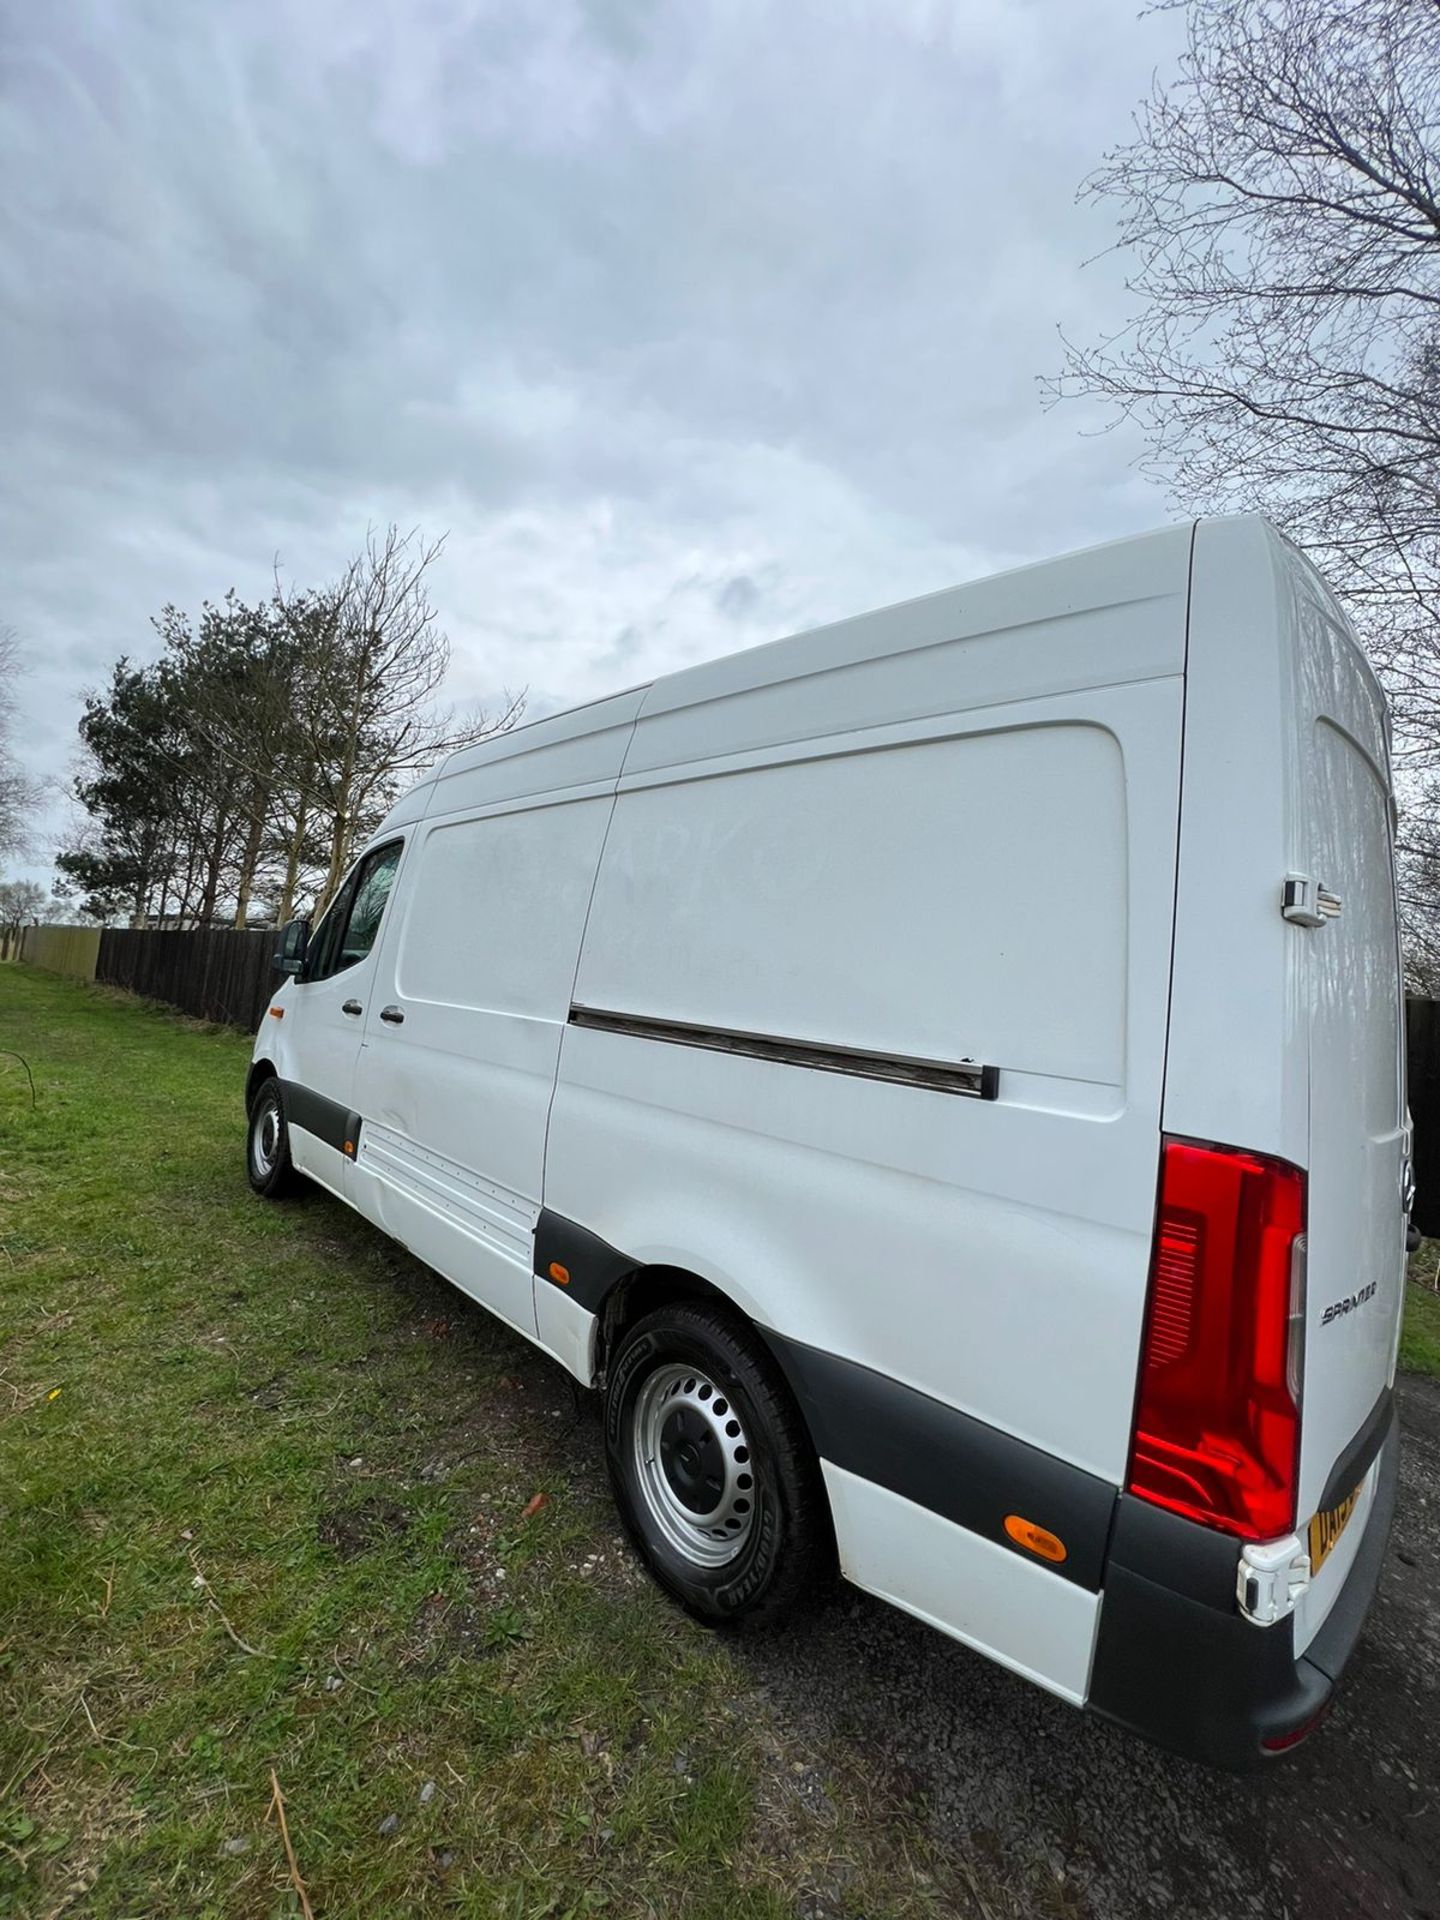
<point x="1326" y="1529"/>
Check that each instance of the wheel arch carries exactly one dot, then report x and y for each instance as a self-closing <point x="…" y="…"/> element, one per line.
<point x="644" y="1287"/>
<point x="260" y="1071"/>
<point x="619" y="1287"/>
<point x="632" y="1294"/>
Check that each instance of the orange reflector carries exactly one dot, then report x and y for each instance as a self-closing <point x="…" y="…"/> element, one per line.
<point x="1035" y="1539"/>
<point x="559" y="1274"/>
<point x="277" y="1013"/>
<point x="350" y="1148"/>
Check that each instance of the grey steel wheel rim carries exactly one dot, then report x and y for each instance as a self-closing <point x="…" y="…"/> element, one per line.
<point x="693" y="1465"/>
<point x="265" y="1137"/>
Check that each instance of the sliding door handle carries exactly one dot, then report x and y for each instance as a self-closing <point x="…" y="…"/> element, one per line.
<point x="393" y="1015"/>
<point x="352" y="1007"/>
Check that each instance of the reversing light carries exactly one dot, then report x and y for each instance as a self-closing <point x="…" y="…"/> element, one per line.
<point x="1217" y="1424"/>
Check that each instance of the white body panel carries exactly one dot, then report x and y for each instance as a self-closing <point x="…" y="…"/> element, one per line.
<point x="1014" y="1610"/>
<point x="952" y="832"/>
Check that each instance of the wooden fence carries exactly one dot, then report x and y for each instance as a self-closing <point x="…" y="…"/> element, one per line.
<point x="69" y="950"/>
<point x="1422" y="1040"/>
<point x="215" y="973"/>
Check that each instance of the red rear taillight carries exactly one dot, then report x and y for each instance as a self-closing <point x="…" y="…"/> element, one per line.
<point x="1217" y="1427"/>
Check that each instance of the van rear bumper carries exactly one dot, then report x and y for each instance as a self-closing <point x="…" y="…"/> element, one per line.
<point x="1176" y="1662"/>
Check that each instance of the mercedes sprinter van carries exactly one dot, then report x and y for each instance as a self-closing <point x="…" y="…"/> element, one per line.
<point x="941" y="1077"/>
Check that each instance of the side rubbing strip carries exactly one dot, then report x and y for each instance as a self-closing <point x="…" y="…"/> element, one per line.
<point x="957" y="1466"/>
<point x="326" y="1119"/>
<point x="963" y="1077"/>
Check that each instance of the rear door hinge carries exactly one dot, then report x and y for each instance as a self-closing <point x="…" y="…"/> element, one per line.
<point x="1306" y="903"/>
<point x="1270" y="1580"/>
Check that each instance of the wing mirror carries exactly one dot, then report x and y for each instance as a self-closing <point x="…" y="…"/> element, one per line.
<point x="291" y="947"/>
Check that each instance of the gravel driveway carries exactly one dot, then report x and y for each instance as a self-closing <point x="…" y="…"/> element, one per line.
<point x="1082" y="1820"/>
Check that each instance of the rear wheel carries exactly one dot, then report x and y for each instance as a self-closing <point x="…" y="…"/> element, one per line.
<point x="713" y="1472"/>
<point x="267" y="1146"/>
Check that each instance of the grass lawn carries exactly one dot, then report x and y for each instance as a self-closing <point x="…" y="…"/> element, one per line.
<point x="268" y="1501"/>
<point x="1420" y="1339"/>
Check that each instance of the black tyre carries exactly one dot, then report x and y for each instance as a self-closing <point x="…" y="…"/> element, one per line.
<point x="267" y="1144"/>
<point x="712" y="1468"/>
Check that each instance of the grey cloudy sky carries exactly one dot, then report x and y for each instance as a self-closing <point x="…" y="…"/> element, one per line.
<point x="694" y="321"/>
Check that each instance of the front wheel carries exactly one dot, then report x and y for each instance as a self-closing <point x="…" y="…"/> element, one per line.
<point x="267" y="1145"/>
<point x="712" y="1469"/>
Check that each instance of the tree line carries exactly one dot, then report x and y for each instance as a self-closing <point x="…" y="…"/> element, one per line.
<point x="235" y="777"/>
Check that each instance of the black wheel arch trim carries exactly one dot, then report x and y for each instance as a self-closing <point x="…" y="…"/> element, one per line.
<point x="260" y="1072"/>
<point x="594" y="1267"/>
<point x="868" y="1424"/>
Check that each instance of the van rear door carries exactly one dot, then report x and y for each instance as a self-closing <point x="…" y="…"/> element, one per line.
<point x="1350" y="982"/>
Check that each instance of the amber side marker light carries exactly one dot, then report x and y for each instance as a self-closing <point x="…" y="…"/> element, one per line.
<point x="276" y="1013"/>
<point x="559" y="1274"/>
<point x="1037" y="1540"/>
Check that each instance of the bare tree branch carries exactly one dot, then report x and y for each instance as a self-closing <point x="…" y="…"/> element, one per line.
<point x="1279" y="206"/>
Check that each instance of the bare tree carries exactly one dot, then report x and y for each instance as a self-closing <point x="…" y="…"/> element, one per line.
<point x="19" y="794"/>
<point x="25" y="903"/>
<point x="367" y="713"/>
<point x="1279" y="207"/>
<point x="1419" y="889"/>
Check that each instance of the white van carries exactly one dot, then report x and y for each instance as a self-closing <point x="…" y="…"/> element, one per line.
<point x="940" y="1076"/>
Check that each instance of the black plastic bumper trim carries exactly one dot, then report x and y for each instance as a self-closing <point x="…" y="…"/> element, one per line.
<point x="1177" y="1663"/>
<point x="1193" y="1562"/>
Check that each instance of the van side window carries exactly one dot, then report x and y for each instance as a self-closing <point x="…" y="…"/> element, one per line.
<point x="372" y="890"/>
<point x="320" y="962"/>
<point x="349" y="929"/>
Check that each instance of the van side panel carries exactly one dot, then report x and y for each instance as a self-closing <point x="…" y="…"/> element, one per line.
<point x="993" y="1254"/>
<point x="962" y="849"/>
<point x="854" y="896"/>
<point x="478" y="960"/>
